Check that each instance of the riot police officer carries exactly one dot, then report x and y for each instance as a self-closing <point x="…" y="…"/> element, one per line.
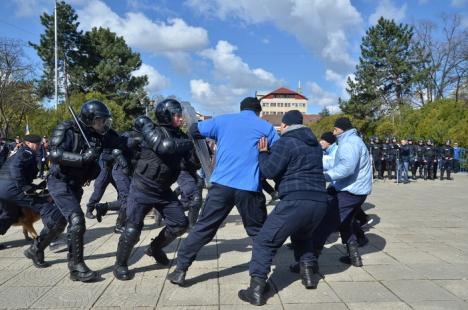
<point x="430" y="160"/>
<point x="125" y="158"/>
<point x="163" y="148"/>
<point x="374" y="149"/>
<point x="17" y="191"/>
<point x="446" y="158"/>
<point x="74" y="164"/>
<point x="419" y="160"/>
<point x="385" y="152"/>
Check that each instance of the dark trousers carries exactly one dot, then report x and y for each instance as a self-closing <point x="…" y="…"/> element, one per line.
<point x="122" y="183"/>
<point x="66" y="196"/>
<point x="13" y="199"/>
<point x="100" y="184"/>
<point x="189" y="187"/>
<point x="218" y="204"/>
<point x="295" y="218"/>
<point x="139" y="203"/>
<point x="341" y="211"/>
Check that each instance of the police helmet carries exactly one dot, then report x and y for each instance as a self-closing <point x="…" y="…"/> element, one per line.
<point x="91" y="110"/>
<point x="141" y="121"/>
<point x="166" y="109"/>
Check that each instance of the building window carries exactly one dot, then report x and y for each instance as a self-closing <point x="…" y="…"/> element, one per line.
<point x="273" y="104"/>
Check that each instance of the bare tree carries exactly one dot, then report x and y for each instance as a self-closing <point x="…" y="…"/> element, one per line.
<point x="446" y="55"/>
<point x="16" y="86"/>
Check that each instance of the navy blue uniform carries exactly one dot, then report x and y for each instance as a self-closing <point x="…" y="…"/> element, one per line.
<point x="17" y="191"/>
<point x="4" y="152"/>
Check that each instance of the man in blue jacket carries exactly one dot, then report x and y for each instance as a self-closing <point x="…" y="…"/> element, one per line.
<point x="351" y="178"/>
<point x="295" y="163"/>
<point x="235" y="179"/>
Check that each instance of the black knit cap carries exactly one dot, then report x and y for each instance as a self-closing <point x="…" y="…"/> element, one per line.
<point x="343" y="123"/>
<point x="251" y="103"/>
<point x="33" y="138"/>
<point x="293" y="117"/>
<point x="329" y="137"/>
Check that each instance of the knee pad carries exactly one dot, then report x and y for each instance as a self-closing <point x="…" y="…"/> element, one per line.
<point x="77" y="223"/>
<point x="132" y="232"/>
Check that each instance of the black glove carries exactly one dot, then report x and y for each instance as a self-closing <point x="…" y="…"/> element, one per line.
<point x="90" y="155"/>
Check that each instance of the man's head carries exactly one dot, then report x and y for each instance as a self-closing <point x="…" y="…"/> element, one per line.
<point x="293" y="117"/>
<point x="341" y="125"/>
<point x="448" y="142"/>
<point x="327" y="139"/>
<point x="17" y="139"/>
<point x="455" y="144"/>
<point x="169" y="113"/>
<point x="33" y="142"/>
<point x="403" y="142"/>
<point x="96" y="116"/>
<point x="252" y="104"/>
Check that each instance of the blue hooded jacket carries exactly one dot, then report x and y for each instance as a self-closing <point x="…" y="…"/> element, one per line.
<point x="352" y="170"/>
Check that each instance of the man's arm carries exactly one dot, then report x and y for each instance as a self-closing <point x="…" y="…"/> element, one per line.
<point x="274" y="163"/>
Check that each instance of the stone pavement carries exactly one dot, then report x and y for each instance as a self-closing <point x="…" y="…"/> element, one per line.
<point x="417" y="258"/>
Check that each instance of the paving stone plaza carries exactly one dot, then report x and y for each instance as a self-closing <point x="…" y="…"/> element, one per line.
<point x="417" y="258"/>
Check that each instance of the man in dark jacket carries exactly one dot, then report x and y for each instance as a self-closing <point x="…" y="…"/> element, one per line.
<point x="295" y="163"/>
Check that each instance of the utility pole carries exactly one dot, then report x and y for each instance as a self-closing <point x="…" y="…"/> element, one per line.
<point x="56" y="56"/>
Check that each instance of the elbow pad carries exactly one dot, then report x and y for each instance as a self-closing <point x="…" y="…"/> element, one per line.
<point x="57" y="156"/>
<point x="153" y="138"/>
<point x="119" y="158"/>
<point x="175" y="146"/>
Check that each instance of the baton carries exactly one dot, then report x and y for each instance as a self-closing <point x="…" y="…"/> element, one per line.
<point x="78" y="124"/>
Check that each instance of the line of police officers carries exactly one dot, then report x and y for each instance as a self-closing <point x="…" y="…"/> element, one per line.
<point x="423" y="158"/>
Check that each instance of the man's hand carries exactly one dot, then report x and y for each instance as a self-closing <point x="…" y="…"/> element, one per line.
<point x="263" y="145"/>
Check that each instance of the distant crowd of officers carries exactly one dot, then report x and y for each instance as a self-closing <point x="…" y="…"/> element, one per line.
<point x="423" y="159"/>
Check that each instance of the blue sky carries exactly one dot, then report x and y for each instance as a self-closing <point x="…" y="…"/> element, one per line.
<point x="215" y="52"/>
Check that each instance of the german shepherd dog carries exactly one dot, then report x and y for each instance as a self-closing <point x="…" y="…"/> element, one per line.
<point x="27" y="219"/>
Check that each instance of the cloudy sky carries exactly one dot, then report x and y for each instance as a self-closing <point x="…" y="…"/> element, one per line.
<point x="215" y="52"/>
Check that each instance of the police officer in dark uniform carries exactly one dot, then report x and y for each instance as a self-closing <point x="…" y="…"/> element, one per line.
<point x="394" y="152"/>
<point x="74" y="164"/>
<point x="446" y="160"/>
<point x="374" y="149"/>
<point x="163" y="149"/>
<point x="125" y="158"/>
<point x="106" y="162"/>
<point x="17" y="191"/>
<point x="385" y="153"/>
<point x="412" y="157"/>
<point x="419" y="161"/>
<point x="4" y="152"/>
<point x="430" y="160"/>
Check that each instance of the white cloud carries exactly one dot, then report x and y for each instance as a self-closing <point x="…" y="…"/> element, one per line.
<point x="388" y="10"/>
<point x="234" y="78"/>
<point x="25" y="8"/>
<point x="231" y="68"/>
<point x="321" y="26"/>
<point x="156" y="81"/>
<point x="323" y="98"/>
<point x="158" y="37"/>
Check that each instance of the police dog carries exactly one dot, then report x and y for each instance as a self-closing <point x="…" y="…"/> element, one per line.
<point x="27" y="219"/>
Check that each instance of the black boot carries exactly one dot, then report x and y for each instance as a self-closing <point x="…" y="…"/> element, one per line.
<point x="157" y="244"/>
<point x="177" y="277"/>
<point x="307" y="271"/>
<point x="101" y="210"/>
<point x="59" y="244"/>
<point x="255" y="293"/>
<point x="89" y="211"/>
<point x="120" y="222"/>
<point x="78" y="269"/>
<point x="36" y="251"/>
<point x="127" y="241"/>
<point x="448" y="175"/>
<point x="353" y="257"/>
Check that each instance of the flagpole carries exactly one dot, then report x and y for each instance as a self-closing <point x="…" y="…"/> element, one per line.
<point x="56" y="56"/>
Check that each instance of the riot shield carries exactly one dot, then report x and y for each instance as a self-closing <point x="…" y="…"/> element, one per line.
<point x="201" y="147"/>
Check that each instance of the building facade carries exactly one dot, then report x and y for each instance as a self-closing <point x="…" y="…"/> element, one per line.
<point x="282" y="100"/>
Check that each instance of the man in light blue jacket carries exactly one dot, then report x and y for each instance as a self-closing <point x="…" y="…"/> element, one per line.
<point x="351" y="177"/>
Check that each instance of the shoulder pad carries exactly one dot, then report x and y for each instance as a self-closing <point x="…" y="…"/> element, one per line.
<point x="59" y="132"/>
<point x="26" y="154"/>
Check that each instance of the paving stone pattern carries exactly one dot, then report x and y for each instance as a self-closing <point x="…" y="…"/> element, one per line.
<point x="417" y="258"/>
